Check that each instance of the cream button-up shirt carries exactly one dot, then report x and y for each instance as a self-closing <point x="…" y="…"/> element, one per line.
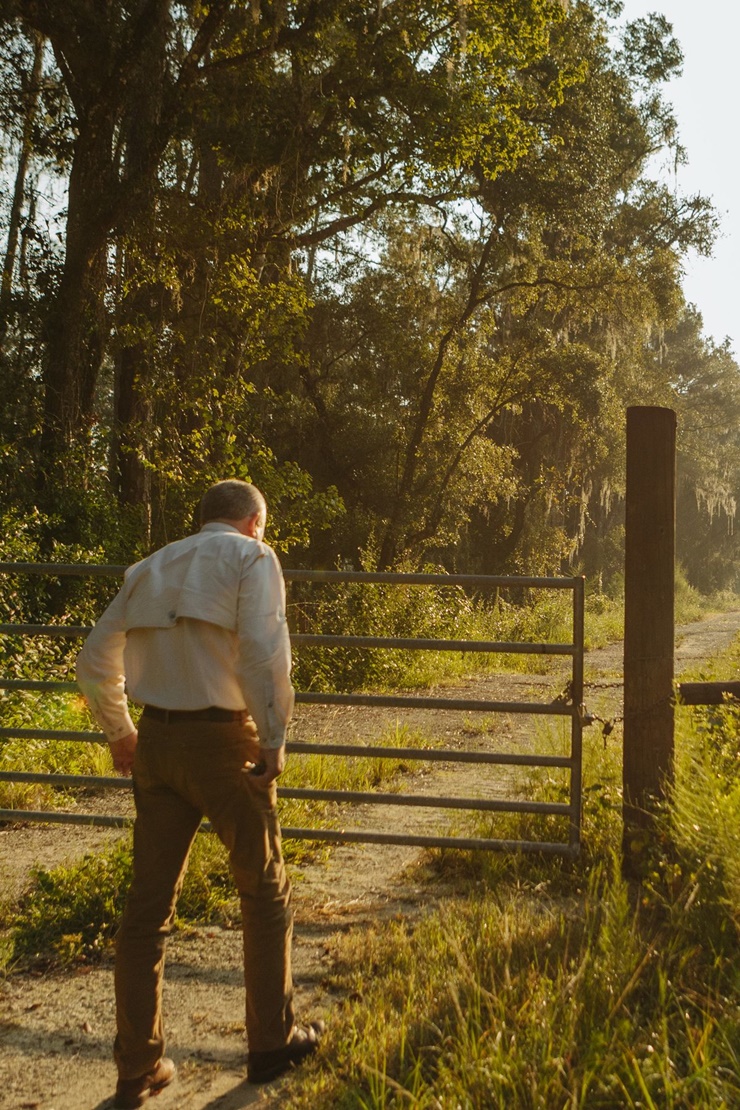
<point x="199" y="623"/>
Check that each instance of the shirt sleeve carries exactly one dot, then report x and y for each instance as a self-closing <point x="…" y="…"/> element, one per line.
<point x="263" y="666"/>
<point x="100" y="673"/>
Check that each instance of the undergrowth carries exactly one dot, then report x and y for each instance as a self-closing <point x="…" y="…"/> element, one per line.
<point x="424" y="612"/>
<point x="70" y="912"/>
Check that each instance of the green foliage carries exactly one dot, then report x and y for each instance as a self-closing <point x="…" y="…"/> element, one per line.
<point x="72" y="912"/>
<point x="707" y="399"/>
<point x="689" y="604"/>
<point x="408" y="287"/>
<point x="43" y="756"/>
<point x="422" y="612"/>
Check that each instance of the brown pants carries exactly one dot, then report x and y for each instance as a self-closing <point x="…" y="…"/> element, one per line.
<point x="183" y="771"/>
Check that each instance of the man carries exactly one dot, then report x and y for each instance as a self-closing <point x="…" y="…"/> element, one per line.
<point x="198" y="635"/>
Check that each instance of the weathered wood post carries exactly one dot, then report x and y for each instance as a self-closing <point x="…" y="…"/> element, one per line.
<point x="648" y="621"/>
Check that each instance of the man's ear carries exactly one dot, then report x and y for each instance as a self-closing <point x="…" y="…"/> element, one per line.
<point x="253" y="526"/>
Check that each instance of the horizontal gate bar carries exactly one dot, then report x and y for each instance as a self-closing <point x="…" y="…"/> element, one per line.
<point x="114" y="782"/>
<point x="423" y="801"/>
<point x="56" y="817"/>
<point x="52" y="734"/>
<point x="471" y="843"/>
<point x="439" y="755"/>
<point x="39" y="684"/>
<point x="390" y="577"/>
<point x="331" y="835"/>
<point x="500" y="647"/>
<point x="554" y="708"/>
<point x="357" y="797"/>
<point x="299" y="747"/>
<point x="45" y="629"/>
<point x="521" y="581"/>
<point x="85" y="570"/>
<point x="708" y="693"/>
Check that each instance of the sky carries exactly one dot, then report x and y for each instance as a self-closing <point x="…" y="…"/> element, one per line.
<point x="706" y="100"/>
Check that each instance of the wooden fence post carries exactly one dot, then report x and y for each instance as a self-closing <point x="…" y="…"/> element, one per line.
<point x="648" y="621"/>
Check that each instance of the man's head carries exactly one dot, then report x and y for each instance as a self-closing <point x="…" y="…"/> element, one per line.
<point x="235" y="502"/>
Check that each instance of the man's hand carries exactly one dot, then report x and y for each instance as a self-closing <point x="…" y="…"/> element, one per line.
<point x="123" y="753"/>
<point x="273" y="761"/>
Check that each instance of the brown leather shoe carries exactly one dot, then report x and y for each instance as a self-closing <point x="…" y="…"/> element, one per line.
<point x="132" y="1093"/>
<point x="262" y="1067"/>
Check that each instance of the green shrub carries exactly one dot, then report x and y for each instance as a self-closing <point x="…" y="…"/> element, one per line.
<point x="71" y="912"/>
<point x="423" y="612"/>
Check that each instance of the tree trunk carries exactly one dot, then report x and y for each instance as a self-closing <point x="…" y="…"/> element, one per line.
<point x="131" y="476"/>
<point x="14" y="223"/>
<point x="77" y="325"/>
<point x="140" y="308"/>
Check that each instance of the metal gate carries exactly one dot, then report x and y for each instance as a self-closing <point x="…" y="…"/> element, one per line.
<point x="569" y="706"/>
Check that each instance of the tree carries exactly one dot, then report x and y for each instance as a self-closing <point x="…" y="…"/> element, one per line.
<point x="339" y="127"/>
<point x="483" y="360"/>
<point x="407" y="249"/>
<point x="705" y="384"/>
<point x="30" y="91"/>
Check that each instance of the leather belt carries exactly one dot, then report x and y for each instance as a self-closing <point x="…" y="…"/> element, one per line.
<point x="212" y="713"/>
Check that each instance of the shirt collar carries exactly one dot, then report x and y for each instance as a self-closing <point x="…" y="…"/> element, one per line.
<point x="219" y="526"/>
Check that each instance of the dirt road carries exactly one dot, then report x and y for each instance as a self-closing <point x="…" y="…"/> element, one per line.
<point x="56" y="1029"/>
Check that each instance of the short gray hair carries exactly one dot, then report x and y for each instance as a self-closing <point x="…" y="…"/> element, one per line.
<point x="231" y="499"/>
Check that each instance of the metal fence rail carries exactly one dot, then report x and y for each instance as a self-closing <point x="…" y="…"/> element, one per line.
<point x="572" y="708"/>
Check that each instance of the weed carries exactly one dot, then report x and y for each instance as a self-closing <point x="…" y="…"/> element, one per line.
<point x="71" y="912"/>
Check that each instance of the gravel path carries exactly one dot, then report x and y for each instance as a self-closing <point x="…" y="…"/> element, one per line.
<point x="56" y="1029"/>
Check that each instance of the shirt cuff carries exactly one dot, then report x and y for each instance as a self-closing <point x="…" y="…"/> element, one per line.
<point x="274" y="742"/>
<point x="117" y="732"/>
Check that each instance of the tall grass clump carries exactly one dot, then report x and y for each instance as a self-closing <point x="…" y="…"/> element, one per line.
<point x="689" y="604"/>
<point x="70" y="913"/>
<point x="507" y="1000"/>
<point x="47" y="711"/>
<point x="546" y="984"/>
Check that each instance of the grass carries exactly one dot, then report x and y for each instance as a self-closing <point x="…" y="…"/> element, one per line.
<point x="512" y="999"/>
<point x="36" y="755"/>
<point x="546" y="984"/>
